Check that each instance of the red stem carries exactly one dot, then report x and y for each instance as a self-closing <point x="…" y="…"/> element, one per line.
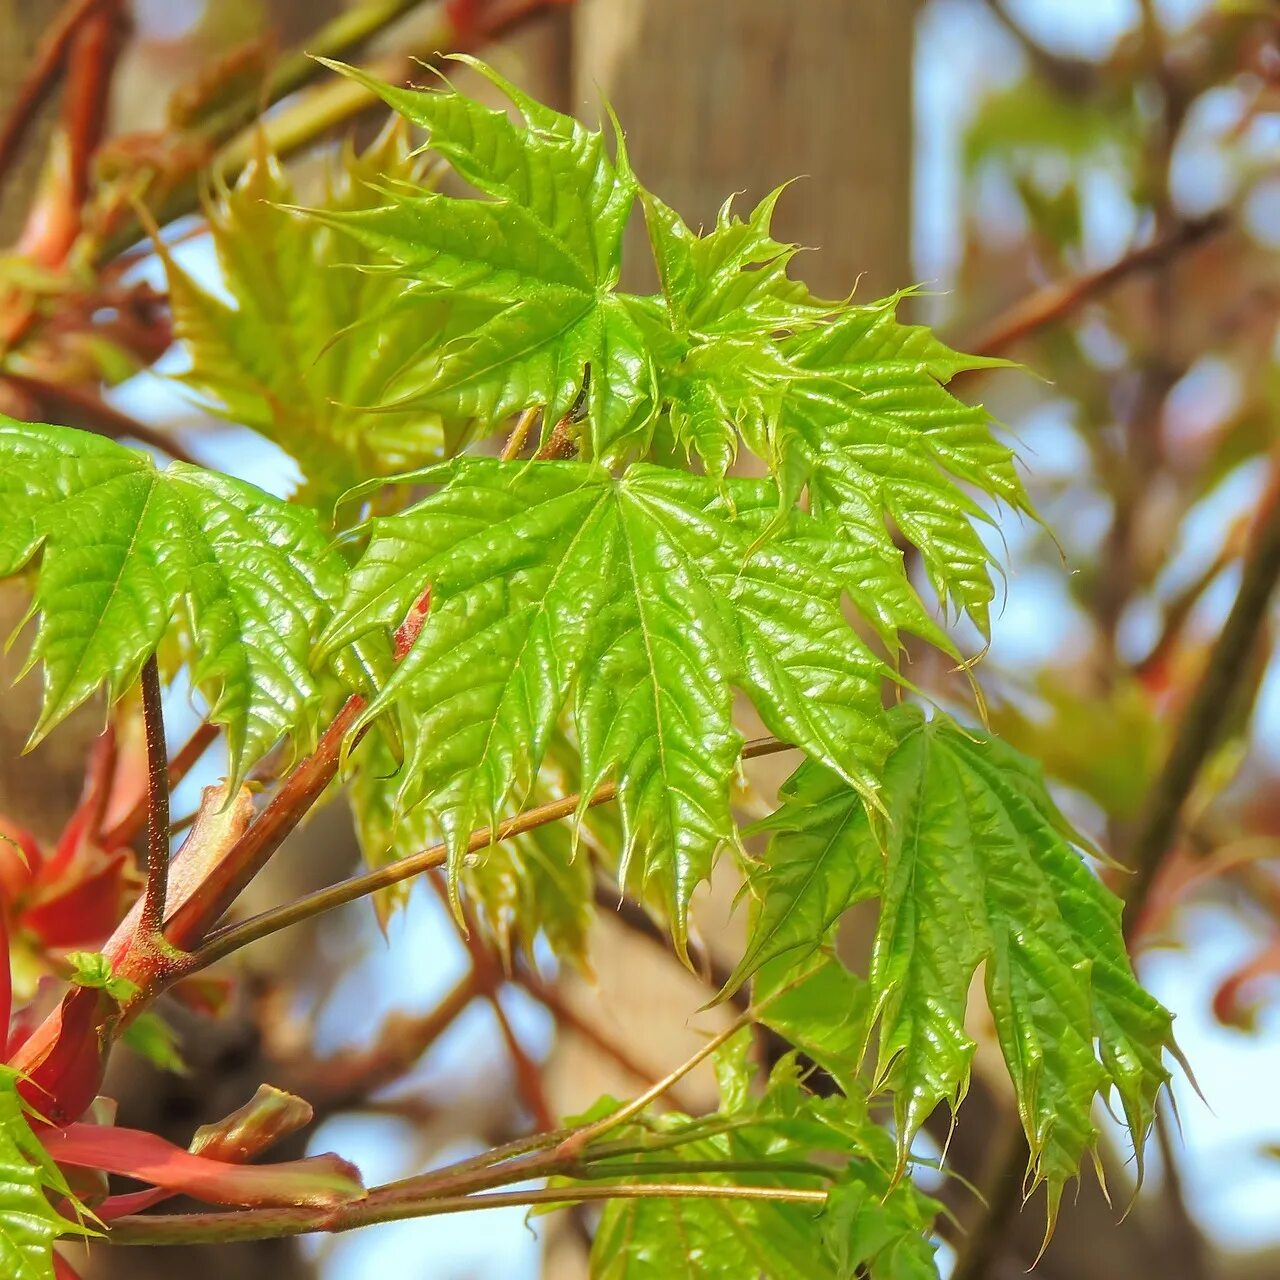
<point x="155" y="893"/>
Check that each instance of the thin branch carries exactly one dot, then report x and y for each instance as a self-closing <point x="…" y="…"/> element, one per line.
<point x="78" y="407"/>
<point x="576" y="1142"/>
<point x="1207" y="710"/>
<point x="344" y="35"/>
<point x="1056" y="301"/>
<point x="47" y="64"/>
<point x="154" y="895"/>
<point x="232" y="938"/>
<point x="631" y="915"/>
<point x="1072" y="77"/>
<point x="519" y="433"/>
<point x="528" y="1075"/>
<point x="1190" y="1243"/>
<point x="346" y="1079"/>
<point x="91" y="62"/>
<point x="264" y="1224"/>
<point x="297" y="794"/>
<point x="567" y="1017"/>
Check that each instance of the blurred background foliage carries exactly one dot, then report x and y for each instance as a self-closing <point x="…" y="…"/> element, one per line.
<point x="1089" y="187"/>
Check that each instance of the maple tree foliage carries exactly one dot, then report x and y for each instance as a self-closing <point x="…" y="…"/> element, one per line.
<point x="586" y="619"/>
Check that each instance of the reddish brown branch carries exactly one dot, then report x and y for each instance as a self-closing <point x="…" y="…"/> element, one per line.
<point x="488" y="972"/>
<point x="155" y="893"/>
<point x="46" y="65"/>
<point x="1056" y="301"/>
<point x="568" y="1018"/>
<point x="77" y="407"/>
<point x="348" y="1078"/>
<point x="91" y="61"/>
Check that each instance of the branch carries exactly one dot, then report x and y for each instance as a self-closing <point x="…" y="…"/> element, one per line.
<point x="290" y="804"/>
<point x="232" y="938"/>
<point x="567" y="1017"/>
<point x="75" y="406"/>
<point x="1072" y="77"/>
<point x="1202" y="720"/>
<point x="154" y="895"/>
<point x="346" y="34"/>
<point x="265" y="1224"/>
<point x="348" y="1077"/>
<point x="488" y="974"/>
<point x="47" y="63"/>
<point x="1056" y="301"/>
<point x="573" y="1146"/>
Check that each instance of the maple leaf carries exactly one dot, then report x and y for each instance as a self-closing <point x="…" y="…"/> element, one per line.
<point x="973" y="865"/>
<point x="645" y="599"/>
<point x="531" y="271"/>
<point x="125" y="550"/>
<point x="311" y="334"/>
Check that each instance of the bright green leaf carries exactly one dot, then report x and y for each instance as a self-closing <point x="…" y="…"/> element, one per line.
<point x="645" y="599"/>
<point x="126" y="551"/>
<point x="310" y="338"/>
<point x="974" y="865"/>
<point x="536" y="263"/>
<point x="29" y="1224"/>
<point x="871" y="425"/>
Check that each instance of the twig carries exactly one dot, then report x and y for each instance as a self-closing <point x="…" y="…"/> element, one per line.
<point x="1055" y="301"/>
<point x="629" y="913"/>
<point x="344" y="35"/>
<point x="580" y="1139"/>
<point x="1190" y="1243"/>
<point x="232" y="938"/>
<point x="1202" y="720"/>
<point x="154" y="895"/>
<point x="76" y="406"/>
<point x="46" y="64"/>
<point x="91" y="61"/>
<point x="297" y="794"/>
<point x="567" y="1016"/>
<point x="488" y="973"/>
<point x="333" y="105"/>
<point x="347" y="1078"/>
<point x="519" y="433"/>
<point x="264" y="1224"/>
<point x="1070" y="76"/>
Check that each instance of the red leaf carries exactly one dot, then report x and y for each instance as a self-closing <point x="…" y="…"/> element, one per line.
<point x="318" y="1182"/>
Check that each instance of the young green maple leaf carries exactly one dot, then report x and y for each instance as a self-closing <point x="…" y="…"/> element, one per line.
<point x="127" y="553"/>
<point x="29" y="1224"/>
<point x="869" y="425"/>
<point x="974" y="865"/>
<point x="532" y="269"/>
<point x="311" y="336"/>
<point x="726" y="301"/>
<point x="869" y="1225"/>
<point x="646" y="599"/>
